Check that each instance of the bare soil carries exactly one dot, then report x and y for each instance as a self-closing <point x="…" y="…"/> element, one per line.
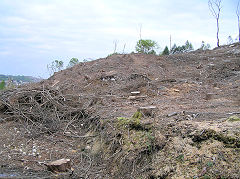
<point x="84" y="113"/>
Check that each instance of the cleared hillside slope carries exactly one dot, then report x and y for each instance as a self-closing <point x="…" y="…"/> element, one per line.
<point x="90" y="114"/>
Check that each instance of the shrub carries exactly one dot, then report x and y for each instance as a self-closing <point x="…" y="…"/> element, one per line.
<point x="2" y="85"/>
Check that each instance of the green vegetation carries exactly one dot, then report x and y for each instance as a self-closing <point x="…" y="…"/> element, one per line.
<point x="233" y="119"/>
<point x="2" y="85"/>
<point x="135" y="135"/>
<point x="165" y="51"/>
<point x="137" y="115"/>
<point x="229" y="141"/>
<point x="146" y="46"/>
<point x="19" y="78"/>
<point x="72" y="62"/>
<point x="180" y="158"/>
<point x="115" y="53"/>
<point x="181" y="49"/>
<point x="55" y="66"/>
<point x="129" y="122"/>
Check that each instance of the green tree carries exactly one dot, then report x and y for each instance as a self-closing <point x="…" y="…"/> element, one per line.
<point x="174" y="49"/>
<point x="59" y="64"/>
<point x="55" y="66"/>
<point x="188" y="46"/>
<point x="177" y="49"/>
<point x="2" y="85"/>
<point x="73" y="62"/>
<point x="146" y="46"/>
<point x="165" y="51"/>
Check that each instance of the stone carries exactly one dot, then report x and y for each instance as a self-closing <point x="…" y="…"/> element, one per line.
<point x="62" y="165"/>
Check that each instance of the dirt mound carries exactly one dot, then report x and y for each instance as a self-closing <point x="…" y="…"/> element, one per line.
<point x="92" y="113"/>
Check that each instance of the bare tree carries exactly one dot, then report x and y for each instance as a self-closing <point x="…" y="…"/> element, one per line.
<point x="140" y="31"/>
<point x="115" y="45"/>
<point x="170" y="42"/>
<point x="124" y="48"/>
<point x="215" y="8"/>
<point x="238" y="14"/>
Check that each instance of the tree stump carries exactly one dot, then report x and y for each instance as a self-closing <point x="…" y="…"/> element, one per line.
<point x="148" y="110"/>
<point x="62" y="165"/>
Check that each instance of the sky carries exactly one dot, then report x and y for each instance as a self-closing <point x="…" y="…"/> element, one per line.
<point x="33" y="33"/>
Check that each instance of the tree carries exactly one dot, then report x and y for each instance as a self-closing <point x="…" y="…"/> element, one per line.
<point x="55" y="66"/>
<point x="238" y="14"/>
<point x="146" y="46"/>
<point x="73" y="62"/>
<point x="165" y="51"/>
<point x="204" y="46"/>
<point x="188" y="46"/>
<point x="174" y="49"/>
<point x="2" y="85"/>
<point x="215" y="8"/>
<point x="181" y="49"/>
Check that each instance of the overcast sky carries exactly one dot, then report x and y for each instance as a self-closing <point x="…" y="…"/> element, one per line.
<point x="33" y="33"/>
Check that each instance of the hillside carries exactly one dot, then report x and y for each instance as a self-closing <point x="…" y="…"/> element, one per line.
<point x="20" y="78"/>
<point x="129" y="116"/>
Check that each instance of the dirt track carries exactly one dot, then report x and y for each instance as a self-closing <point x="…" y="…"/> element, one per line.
<point x="84" y="113"/>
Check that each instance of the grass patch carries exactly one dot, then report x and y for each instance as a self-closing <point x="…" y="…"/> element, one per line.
<point x="134" y="134"/>
<point x="233" y="119"/>
<point x="229" y="141"/>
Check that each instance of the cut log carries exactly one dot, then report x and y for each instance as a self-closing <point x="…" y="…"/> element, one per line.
<point x="62" y="165"/>
<point x="135" y="93"/>
<point x="172" y="114"/>
<point x="148" y="110"/>
<point x="136" y="97"/>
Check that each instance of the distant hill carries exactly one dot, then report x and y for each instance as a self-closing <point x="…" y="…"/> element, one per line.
<point x="20" y="78"/>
